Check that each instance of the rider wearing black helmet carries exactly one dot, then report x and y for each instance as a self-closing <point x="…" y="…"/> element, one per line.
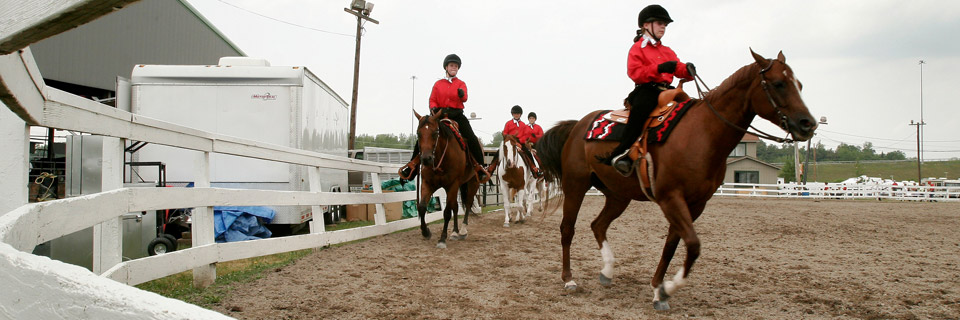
<point x="652" y="67"/>
<point x="448" y="96"/>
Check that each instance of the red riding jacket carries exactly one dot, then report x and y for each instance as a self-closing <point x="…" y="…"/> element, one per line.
<point x="517" y="128"/>
<point x="444" y="94"/>
<point x="645" y="56"/>
<point x="535" y="132"/>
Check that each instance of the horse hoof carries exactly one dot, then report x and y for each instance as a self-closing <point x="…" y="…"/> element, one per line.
<point x="506" y="225"/>
<point x="604" y="281"/>
<point x="570" y="286"/>
<point x="441" y="245"/>
<point x="463" y="237"/>
<point x="454" y="236"/>
<point x="661" y="305"/>
<point x="426" y="234"/>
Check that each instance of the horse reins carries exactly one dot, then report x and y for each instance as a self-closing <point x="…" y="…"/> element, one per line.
<point x="776" y="107"/>
<point x="436" y="165"/>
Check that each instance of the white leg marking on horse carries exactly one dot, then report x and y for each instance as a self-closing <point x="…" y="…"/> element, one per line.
<point x="570" y="285"/>
<point x="607" y="253"/>
<point x="678" y="282"/>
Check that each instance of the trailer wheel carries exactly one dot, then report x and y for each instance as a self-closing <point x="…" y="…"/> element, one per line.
<point x="173" y="241"/>
<point x="159" y="245"/>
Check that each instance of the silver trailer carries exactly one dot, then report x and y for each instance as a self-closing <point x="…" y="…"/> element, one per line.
<point x="249" y="99"/>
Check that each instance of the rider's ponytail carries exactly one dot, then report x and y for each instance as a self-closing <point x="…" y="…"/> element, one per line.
<point x="639" y="35"/>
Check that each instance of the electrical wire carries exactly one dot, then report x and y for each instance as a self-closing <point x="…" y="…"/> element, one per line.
<point x="286" y="22"/>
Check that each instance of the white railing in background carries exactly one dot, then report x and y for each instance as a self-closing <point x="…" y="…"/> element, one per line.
<point x="77" y="293"/>
<point x="816" y="190"/>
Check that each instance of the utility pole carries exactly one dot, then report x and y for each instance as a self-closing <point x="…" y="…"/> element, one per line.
<point x="361" y="9"/>
<point x="806" y="159"/>
<point x="918" y="124"/>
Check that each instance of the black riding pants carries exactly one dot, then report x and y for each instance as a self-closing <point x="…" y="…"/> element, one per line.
<point x="642" y="100"/>
<point x="465" y="130"/>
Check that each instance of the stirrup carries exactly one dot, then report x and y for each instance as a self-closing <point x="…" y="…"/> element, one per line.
<point x="486" y="175"/>
<point x="625" y="168"/>
<point x="412" y="174"/>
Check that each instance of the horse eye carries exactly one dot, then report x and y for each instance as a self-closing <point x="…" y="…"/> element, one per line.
<point x="779" y="84"/>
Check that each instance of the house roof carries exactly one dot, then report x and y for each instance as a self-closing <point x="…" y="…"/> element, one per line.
<point x="750" y="138"/>
<point x="749" y="158"/>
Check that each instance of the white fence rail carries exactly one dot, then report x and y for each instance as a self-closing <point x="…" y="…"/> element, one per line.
<point x="840" y="191"/>
<point x="76" y="293"/>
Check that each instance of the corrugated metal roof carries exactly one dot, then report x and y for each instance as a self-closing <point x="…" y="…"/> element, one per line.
<point x="170" y="32"/>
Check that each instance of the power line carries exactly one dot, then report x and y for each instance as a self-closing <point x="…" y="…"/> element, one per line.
<point x="888" y="148"/>
<point x="875" y="138"/>
<point x="286" y="22"/>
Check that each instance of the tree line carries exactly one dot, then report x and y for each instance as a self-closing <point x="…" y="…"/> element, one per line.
<point x="845" y="152"/>
<point x="406" y="141"/>
<point x="783" y="153"/>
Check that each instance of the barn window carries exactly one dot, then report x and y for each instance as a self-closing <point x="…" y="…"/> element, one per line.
<point x="746" y="177"/>
<point x="739" y="151"/>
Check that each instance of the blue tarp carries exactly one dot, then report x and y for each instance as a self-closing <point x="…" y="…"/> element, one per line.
<point x="240" y="223"/>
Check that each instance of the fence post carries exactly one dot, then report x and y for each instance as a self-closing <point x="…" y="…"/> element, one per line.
<point x="107" y="237"/>
<point x="313" y="177"/>
<point x="14" y="142"/>
<point x="202" y="229"/>
<point x="381" y="217"/>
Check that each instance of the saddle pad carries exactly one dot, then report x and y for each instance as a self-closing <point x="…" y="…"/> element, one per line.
<point x="659" y="133"/>
<point x="604" y="129"/>
<point x="456" y="132"/>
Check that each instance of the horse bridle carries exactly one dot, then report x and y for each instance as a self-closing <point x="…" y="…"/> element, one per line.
<point x="776" y="107"/>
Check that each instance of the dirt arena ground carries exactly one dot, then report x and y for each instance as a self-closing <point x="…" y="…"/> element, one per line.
<point x="760" y="259"/>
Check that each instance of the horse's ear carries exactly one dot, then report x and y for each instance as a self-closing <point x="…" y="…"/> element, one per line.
<point x="781" y="58"/>
<point x="761" y="61"/>
<point x="419" y="117"/>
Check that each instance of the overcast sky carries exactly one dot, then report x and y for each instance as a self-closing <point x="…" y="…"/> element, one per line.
<point x="857" y="60"/>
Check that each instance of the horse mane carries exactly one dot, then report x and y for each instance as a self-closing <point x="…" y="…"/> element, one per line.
<point x="747" y="72"/>
<point x="550" y="149"/>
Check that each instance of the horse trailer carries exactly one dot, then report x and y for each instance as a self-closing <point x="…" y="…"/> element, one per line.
<point x="248" y="99"/>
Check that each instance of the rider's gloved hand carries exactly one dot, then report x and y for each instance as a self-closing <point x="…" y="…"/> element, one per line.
<point x="691" y="69"/>
<point x="460" y="93"/>
<point x="667" y="67"/>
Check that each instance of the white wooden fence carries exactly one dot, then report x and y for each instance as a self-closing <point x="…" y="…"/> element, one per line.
<point x="817" y="190"/>
<point x="36" y="287"/>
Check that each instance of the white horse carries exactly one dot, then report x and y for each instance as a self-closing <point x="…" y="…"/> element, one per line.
<point x="516" y="180"/>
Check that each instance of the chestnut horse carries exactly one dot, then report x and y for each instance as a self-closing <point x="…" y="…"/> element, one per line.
<point x="444" y="164"/>
<point x="688" y="167"/>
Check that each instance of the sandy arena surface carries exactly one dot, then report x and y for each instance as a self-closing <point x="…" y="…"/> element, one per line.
<point x="760" y="259"/>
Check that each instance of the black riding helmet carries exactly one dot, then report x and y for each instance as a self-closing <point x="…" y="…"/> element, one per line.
<point x="451" y="58"/>
<point x="653" y="12"/>
<point x="532" y="115"/>
<point x="516" y="109"/>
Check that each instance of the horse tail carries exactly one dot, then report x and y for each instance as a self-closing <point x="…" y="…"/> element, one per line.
<point x="550" y="149"/>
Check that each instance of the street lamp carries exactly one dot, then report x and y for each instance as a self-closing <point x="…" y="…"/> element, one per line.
<point x="361" y="9"/>
<point x="920" y="134"/>
<point x="413" y="108"/>
<point x="806" y="159"/>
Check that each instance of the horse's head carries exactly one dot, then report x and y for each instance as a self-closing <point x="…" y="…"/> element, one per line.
<point x="779" y="99"/>
<point x="428" y="133"/>
<point x="510" y="144"/>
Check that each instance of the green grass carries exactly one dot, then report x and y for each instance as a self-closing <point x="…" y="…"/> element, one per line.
<point x="490" y="208"/>
<point x="180" y="286"/>
<point x="899" y="170"/>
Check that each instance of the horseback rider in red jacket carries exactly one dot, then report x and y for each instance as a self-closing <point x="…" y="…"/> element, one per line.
<point x="652" y="67"/>
<point x="524" y="134"/>
<point x="448" y="96"/>
<point x="536" y="131"/>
